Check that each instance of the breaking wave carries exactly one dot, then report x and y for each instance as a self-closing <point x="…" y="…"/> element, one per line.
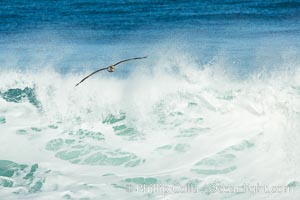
<point x="170" y="124"/>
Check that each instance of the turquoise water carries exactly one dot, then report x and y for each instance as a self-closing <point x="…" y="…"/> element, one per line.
<point x="217" y="101"/>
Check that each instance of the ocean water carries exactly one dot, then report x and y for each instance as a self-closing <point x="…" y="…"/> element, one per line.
<point x="212" y="113"/>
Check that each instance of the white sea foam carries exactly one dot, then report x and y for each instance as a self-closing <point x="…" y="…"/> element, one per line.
<point x="170" y="124"/>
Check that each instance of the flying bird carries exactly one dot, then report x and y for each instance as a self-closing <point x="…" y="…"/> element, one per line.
<point x="110" y="68"/>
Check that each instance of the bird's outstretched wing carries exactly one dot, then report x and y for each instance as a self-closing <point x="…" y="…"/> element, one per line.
<point x="108" y="67"/>
<point x="129" y="60"/>
<point x="91" y="75"/>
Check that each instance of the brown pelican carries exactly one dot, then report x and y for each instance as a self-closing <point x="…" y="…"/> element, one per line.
<point x="110" y="68"/>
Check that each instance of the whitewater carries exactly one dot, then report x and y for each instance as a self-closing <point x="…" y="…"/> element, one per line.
<point x="169" y="123"/>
